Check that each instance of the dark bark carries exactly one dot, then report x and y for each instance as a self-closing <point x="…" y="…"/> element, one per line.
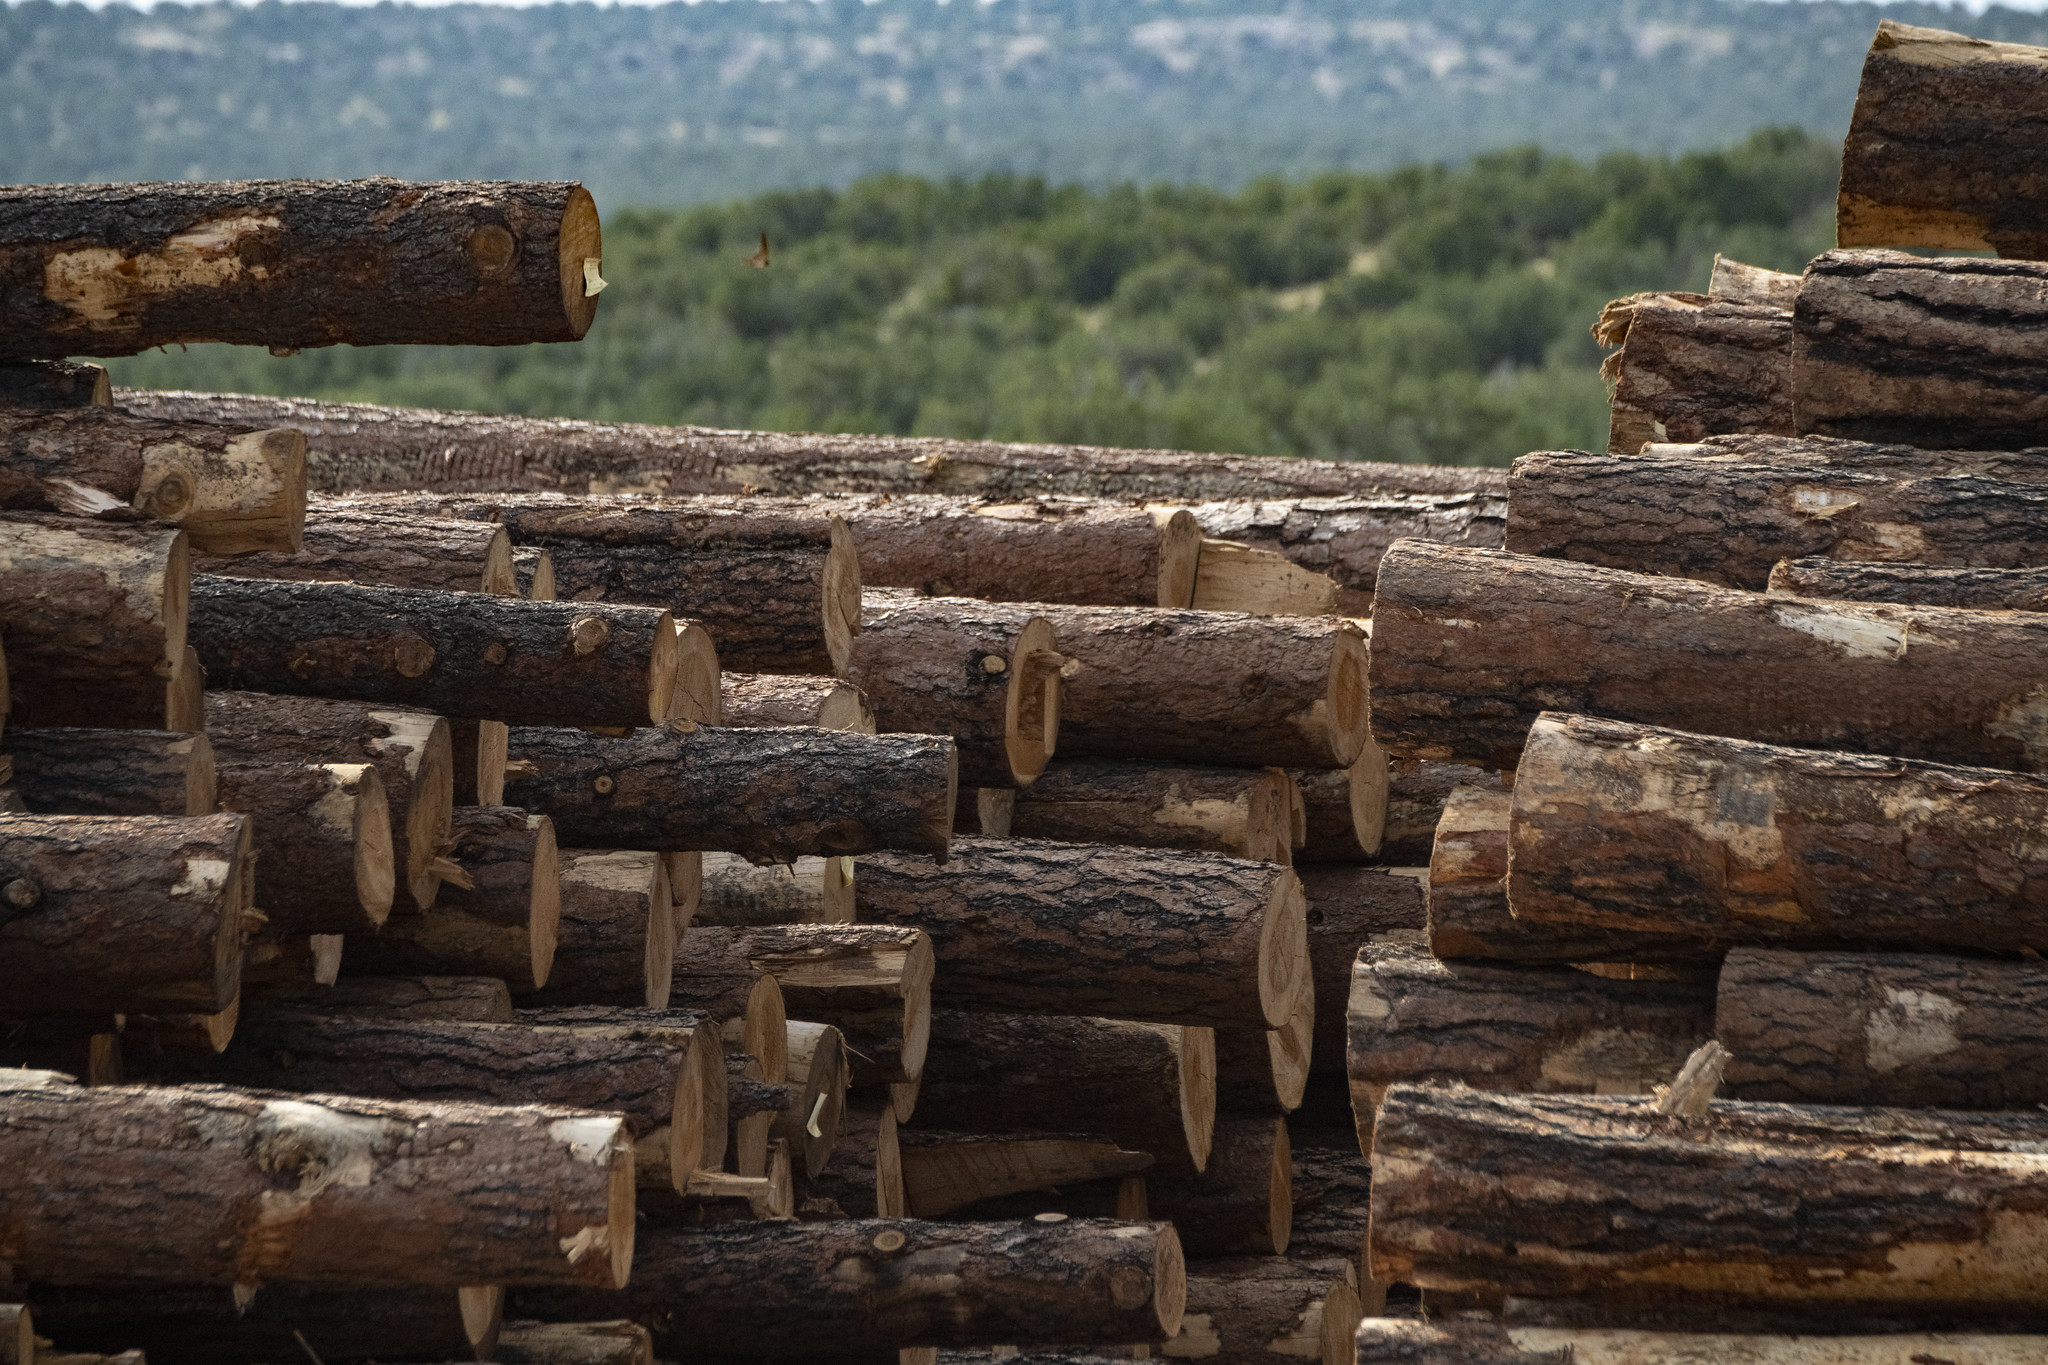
<point x="450" y="999"/>
<point x="817" y="1062"/>
<point x="808" y="891"/>
<point x="86" y="1047"/>
<point x="771" y="699"/>
<point x="615" y="939"/>
<point x="1346" y="907"/>
<point x="1913" y="585"/>
<point x="1264" y="1071"/>
<point x="1866" y="457"/>
<point x="946" y="1172"/>
<point x="1344" y="810"/>
<point x="322" y="831"/>
<point x="1690" y="367"/>
<point x="574" y="1343"/>
<point x="113" y="772"/>
<point x="1416" y="792"/>
<point x="864" y="1178"/>
<point x="386" y="550"/>
<point x="1332" y="1189"/>
<point x="203" y="1325"/>
<point x="54" y="384"/>
<point x="1239" y="812"/>
<point x="1268" y="1311"/>
<point x="1243" y="1204"/>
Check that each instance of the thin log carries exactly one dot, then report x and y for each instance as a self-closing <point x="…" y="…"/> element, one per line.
<point x="757" y="699"/>
<point x="615" y="939"/>
<point x="1243" y="1204"/>
<point x="1346" y="907"/>
<point x="807" y="891"/>
<point x="946" y="1172"/>
<point x="385" y="550"/>
<point x="1344" y="810"/>
<point x="1268" y="1311"/>
<point x="1864" y="457"/>
<point x="54" y="384"/>
<point x="446" y="999"/>
<point x="1734" y="282"/>
<point x="113" y="772"/>
<point x="211" y="1325"/>
<point x="616" y="1342"/>
<point x="817" y="1063"/>
<point x="322" y="840"/>
<point x="534" y="570"/>
<point x="1913" y="584"/>
<point x="1416" y="792"/>
<point x="727" y="987"/>
<point x="1240" y="812"/>
<point x="865" y="1176"/>
<point x="1690" y="367"/>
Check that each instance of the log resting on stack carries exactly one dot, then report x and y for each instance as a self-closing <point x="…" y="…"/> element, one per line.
<point x="1269" y="1311"/>
<point x="1690" y="367"/>
<point x="1240" y="812"/>
<point x="1344" y="811"/>
<point x="1450" y="1341"/>
<point x="113" y="772"/>
<point x="1347" y="906"/>
<point x="54" y="384"/>
<point x="806" y="891"/>
<point x="1265" y="1071"/>
<point x="1890" y="461"/>
<point x="817" y="1063"/>
<point x="772" y="699"/>
<point x="385" y="550"/>
<point x="457" y="999"/>
<point x="322" y="840"/>
<point x="1734" y="282"/>
<point x="1416" y="792"/>
<point x="1243" y="1204"/>
<point x="615" y="937"/>
<point x="207" y="1325"/>
<point x="945" y="1172"/>
<point x="1913" y="584"/>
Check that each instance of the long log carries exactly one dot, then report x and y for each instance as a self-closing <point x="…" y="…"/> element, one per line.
<point x="616" y="1342"/>
<point x="1239" y="812"/>
<point x="806" y="891"/>
<point x="1403" y="1341"/>
<point x="1890" y="460"/>
<point x="233" y="491"/>
<point x="123" y="913"/>
<point x="757" y="699"/>
<point x="118" y="269"/>
<point x="615" y="938"/>
<point x="1913" y="584"/>
<point x="210" y="1325"/>
<point x="1268" y="1311"/>
<point x="1416" y="792"/>
<point x="1718" y="842"/>
<point x="342" y="544"/>
<point x="1023" y="926"/>
<point x="1346" y="907"/>
<point x="771" y="794"/>
<point x="453" y="999"/>
<point x="1344" y="811"/>
<point x="1690" y="367"/>
<point x="1243" y="1204"/>
<point x="246" y="1189"/>
<point x="945" y="1172"/>
<point x="1471" y="645"/>
<point x="54" y="384"/>
<point x="322" y="841"/>
<point x="113" y="772"/>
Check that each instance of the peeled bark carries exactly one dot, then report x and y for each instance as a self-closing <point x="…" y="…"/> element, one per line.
<point x="247" y="1188"/>
<point x="54" y="384"/>
<point x="1243" y="1204"/>
<point x="865" y="1177"/>
<point x="1344" y="810"/>
<point x="113" y="772"/>
<point x="118" y="269"/>
<point x="1446" y="1341"/>
<point x="1913" y="584"/>
<point x="1718" y="842"/>
<point x="204" y="1325"/>
<point x="1346" y="907"/>
<point x="386" y="550"/>
<point x="808" y="891"/>
<point x="1690" y="367"/>
<point x="1416" y="792"/>
<point x="946" y="1172"/>
<point x="771" y="699"/>
<point x="1023" y="926"/>
<point x="448" y="999"/>
<point x="1240" y="812"/>
<point x="1734" y="282"/>
<point x="1864" y="457"/>
<point x="615" y="939"/>
<point x="322" y="841"/>
<point x="232" y="490"/>
<point x="1268" y="1311"/>
<point x="770" y="794"/>
<point x="1470" y="646"/>
<point x="123" y="913"/>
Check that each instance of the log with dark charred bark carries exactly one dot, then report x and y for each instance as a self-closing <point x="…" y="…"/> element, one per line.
<point x="113" y="772"/>
<point x="1913" y="584"/>
<point x="1690" y="367"/>
<point x="210" y="1325"/>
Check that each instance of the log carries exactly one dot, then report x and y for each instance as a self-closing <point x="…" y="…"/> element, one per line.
<point x="123" y="913"/>
<point x="769" y="794"/>
<point x="113" y="772"/>
<point x="95" y="616"/>
<point x="1346" y="907"/>
<point x="1833" y="1208"/>
<point x="246" y="1189"/>
<point x="1397" y="1341"/>
<point x="1719" y="842"/>
<point x="385" y="550"/>
<point x="727" y="987"/>
<point x="616" y="1342"/>
<point x="1416" y="792"/>
<point x="1729" y="523"/>
<point x="1332" y="1187"/>
<point x="865" y="1177"/>
<point x="1344" y="810"/>
<point x="1690" y="367"/>
<point x="118" y="269"/>
<point x="447" y="999"/>
<point x="807" y="891"/>
<point x="1024" y="926"/>
<point x="1240" y="812"/>
<point x="207" y="1325"/>
<point x="185" y="693"/>
<point x="322" y="841"/>
<point x="534" y="570"/>
<point x="410" y="750"/>
<point x="987" y="674"/>
<point x="817" y="1063"/>
<point x="871" y="1286"/>
<point x="54" y="384"/>
<point x="945" y="1172"/>
<point x="232" y="490"/>
<point x="778" y="699"/>
<point x="1913" y="584"/>
<point x="1863" y="457"/>
<point x="1265" y="1071"/>
<point x="1235" y="576"/>
<point x="1734" y="282"/>
<point x="1243" y="1204"/>
<point x="470" y="654"/>
<point x="1471" y="645"/>
<point x="1144" y="1087"/>
<point x="615" y="939"/>
<point x="86" y="1047"/>
<point x="1268" y="1311"/>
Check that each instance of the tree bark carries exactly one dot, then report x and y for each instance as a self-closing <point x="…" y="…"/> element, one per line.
<point x="1243" y="1204"/>
<point x="1864" y="457"/>
<point x="1729" y="523"/>
<point x="1913" y="585"/>
<point x="770" y="794"/>
<point x="386" y="550"/>
<point x="410" y="750"/>
<point x="232" y="490"/>
<point x="95" y="619"/>
<point x="1470" y="645"/>
<point x="123" y="913"/>
<point x="985" y="673"/>
<point x="1445" y="1341"/>
<point x="615" y="939"/>
<point x="322" y="840"/>
<point x="865" y="1177"/>
<point x="575" y="1343"/>
<point x="946" y="1172"/>
<point x="1344" y="810"/>
<point x="204" y="1325"/>
<point x="1240" y="812"/>
<point x="534" y="571"/>
<point x="118" y="269"/>
<point x="1719" y="842"/>
<point x="54" y="384"/>
<point x="1690" y="367"/>
<point x="779" y="699"/>
<point x="1332" y="1198"/>
<point x="1268" y="1311"/>
<point x="1416" y="792"/>
<point x="808" y="891"/>
<point x="1024" y="926"/>
<point x="1916" y="1211"/>
<point x="113" y="772"/>
<point x="1264" y="1071"/>
<point x="470" y="654"/>
<point x="444" y="999"/>
<point x="1346" y="907"/>
<point x="246" y="1188"/>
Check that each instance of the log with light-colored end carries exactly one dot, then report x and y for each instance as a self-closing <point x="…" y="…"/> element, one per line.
<point x="1243" y="1203"/>
<point x="864" y="1178"/>
<point x="1405" y="1341"/>
<point x="946" y="1172"/>
<point x="1344" y="810"/>
<point x="614" y="1342"/>
<point x="1241" y="812"/>
<point x="807" y="891"/>
<point x="113" y="772"/>
<point x="1690" y="367"/>
<point x="755" y="699"/>
<point x="17" y="1334"/>
<point x="694" y="692"/>
<point x="615" y="939"/>
<point x="1267" y="1311"/>
<point x="1734" y="282"/>
<point x="1912" y="584"/>
<point x="1234" y="576"/>
<point x="533" y="573"/>
<point x="323" y="841"/>
<point x="342" y="544"/>
<point x="817" y="1064"/>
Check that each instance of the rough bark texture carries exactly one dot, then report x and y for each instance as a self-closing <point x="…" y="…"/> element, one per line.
<point x="118" y="269"/>
<point x="460" y="653"/>
<point x="1024" y="926"/>
<point x="1865" y="457"/>
<point x="1722" y="842"/>
<point x="770" y="794"/>
<point x="54" y="384"/>
<point x="1911" y="1210"/>
<point x="758" y="699"/>
<point x="1729" y="523"/>
<point x="864" y="1178"/>
<point x="113" y="772"/>
<point x="1710" y="1336"/>
<point x="231" y="489"/>
<point x="1470" y="645"/>
<point x="94" y="616"/>
<point x="1734" y="282"/>
<point x="123" y="913"/>
<point x="1913" y="585"/>
<point x="1346" y="907"/>
<point x="203" y="1325"/>
<point x="323" y="844"/>
<point x="615" y="941"/>
<point x="505" y="923"/>
<point x="1690" y="367"/>
<point x="1264" y="1071"/>
<point x="871" y="1286"/>
<point x="1332" y="1188"/>
<point x="1267" y="1311"/>
<point x="244" y="1188"/>
<point x="1344" y="810"/>
<point x="1344" y="537"/>
<point x="1243" y="1204"/>
<point x="386" y="550"/>
<point x="1416" y="792"/>
<point x="807" y="891"/>
<point x="574" y="1343"/>
<point x="1241" y="812"/>
<point x="946" y="1172"/>
<point x="457" y="999"/>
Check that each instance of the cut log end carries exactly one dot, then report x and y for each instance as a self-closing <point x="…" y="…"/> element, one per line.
<point x="500" y="577"/>
<point x="765" y="1030"/>
<point x="483" y="1311"/>
<point x="1031" y="712"/>
<point x="184" y="693"/>
<point x="659" y="955"/>
<point x="662" y="667"/>
<point x="428" y="816"/>
<point x="1349" y="713"/>
<point x="1180" y="555"/>
<point x="1284" y="975"/>
<point x="1169" y="1282"/>
<point x="1371" y="780"/>
<point x="579" y="241"/>
<point x="544" y="900"/>
<point x="375" y="861"/>
<point x="1198" y="1092"/>
<point x="842" y="596"/>
<point x="695" y="694"/>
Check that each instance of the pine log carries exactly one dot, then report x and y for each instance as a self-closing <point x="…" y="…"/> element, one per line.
<point x="1914" y="1211"/>
<point x="1913" y="584"/>
<point x="1690" y="367"/>
<point x="113" y="772"/>
<point x="410" y="750"/>
<point x="685" y="884"/>
<point x="946" y="1172"/>
<point x="758" y="699"/>
<point x="322" y="840"/>
<point x="17" y="1334"/>
<point x="118" y="269"/>
<point x="1025" y="926"/>
<point x="1729" y="523"/>
<point x="1332" y="1187"/>
<point x="1442" y="1341"/>
<point x="86" y="1047"/>
<point x="807" y="891"/>
<point x="534" y="571"/>
<point x="985" y="673"/>
<point x="1719" y="842"/>
<point x="1145" y="1087"/>
<point x="233" y="491"/>
<point x="813" y="1128"/>
<point x="185" y="693"/>
<point x="54" y="384"/>
<point x="210" y="1325"/>
<point x="1240" y="812"/>
<point x="1734" y="282"/>
<point x="471" y="654"/>
<point x="446" y="999"/>
<point x="1211" y="687"/>
<point x="616" y="1342"/>
<point x="1344" y="810"/>
<point x="385" y="550"/>
<point x="95" y="617"/>
<point x="747" y="999"/>
<point x="770" y="794"/>
<point x="1416" y="792"/>
<point x="1265" y="1071"/>
<point x="1234" y="576"/>
<point x="1243" y="1204"/>
<point x="1889" y="460"/>
<point x="123" y="913"/>
<point x="615" y="939"/>
<point x="1470" y="645"/>
<point x="1347" y="906"/>
<point x="1268" y="1311"/>
<point x="865" y="1176"/>
<point x="246" y="1189"/>
<point x="870" y="1286"/>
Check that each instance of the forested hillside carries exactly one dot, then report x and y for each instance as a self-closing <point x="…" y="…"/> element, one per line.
<point x="1421" y="314"/>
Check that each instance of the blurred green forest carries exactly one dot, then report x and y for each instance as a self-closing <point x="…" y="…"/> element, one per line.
<point x="1425" y="314"/>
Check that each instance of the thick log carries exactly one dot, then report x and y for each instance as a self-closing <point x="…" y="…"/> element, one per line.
<point x="1024" y="926"/>
<point x="616" y="1342"/>
<point x="1243" y="1204"/>
<point x="1734" y="282"/>
<point x="54" y="384"/>
<point x="113" y="772"/>
<point x="1471" y="645"/>
<point x="1146" y="1087"/>
<point x="1234" y="576"/>
<point x="1346" y="907"/>
<point x="466" y="653"/>
<point x="118" y="269"/>
<point x="447" y="999"/>
<point x="817" y="1063"/>
<point x="985" y="673"/>
<point x="385" y="550"/>
<point x="1914" y="1211"/>
<point x="615" y="938"/>
<point x="246" y="1189"/>
<point x="946" y="1172"/>
<point x="871" y="1286"/>
<point x="209" y="1325"/>
<point x="1265" y="1071"/>
<point x="123" y="913"/>
<point x="1416" y="792"/>
<point x="1240" y="812"/>
<point x="807" y="891"/>
<point x="410" y="750"/>
<point x="1268" y="1311"/>
<point x="1690" y="367"/>
<point x="1344" y="810"/>
<point x="322" y="840"/>
<point x="865" y="1176"/>
<point x="770" y="794"/>
<point x="1718" y="842"/>
<point x="1729" y="523"/>
<point x="1404" y="1341"/>
<point x="95" y="617"/>
<point x="233" y="491"/>
<point x="773" y="699"/>
<point x="1863" y="457"/>
<point x="1913" y="584"/>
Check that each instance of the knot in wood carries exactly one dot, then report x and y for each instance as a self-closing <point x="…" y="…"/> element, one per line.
<point x="1130" y="1287"/>
<point x="889" y="1239"/>
<point x="412" y="656"/>
<point x="602" y="784"/>
<point x="993" y="663"/>
<point x="171" y="496"/>
<point x="491" y="248"/>
<point x="20" y="893"/>
<point x="494" y="653"/>
<point x="589" y="633"/>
